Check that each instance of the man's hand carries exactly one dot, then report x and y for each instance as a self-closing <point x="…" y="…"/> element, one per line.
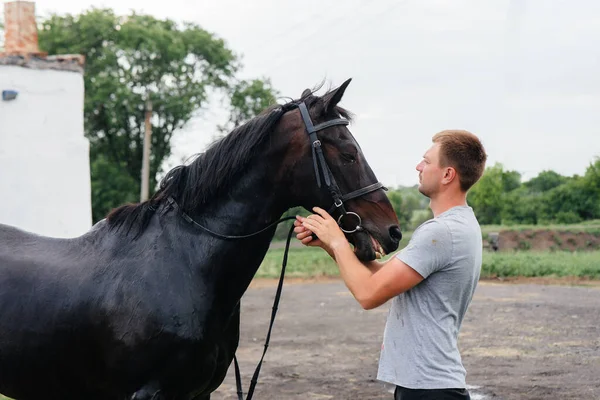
<point x="304" y="235"/>
<point x="326" y="228"/>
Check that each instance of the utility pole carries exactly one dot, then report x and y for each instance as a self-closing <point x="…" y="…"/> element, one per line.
<point x="146" y="155"/>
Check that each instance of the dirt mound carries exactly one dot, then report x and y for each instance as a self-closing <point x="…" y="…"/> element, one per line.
<point x="544" y="240"/>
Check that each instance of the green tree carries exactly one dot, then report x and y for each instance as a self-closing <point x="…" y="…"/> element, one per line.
<point x="521" y="206"/>
<point x="396" y="199"/>
<point x="511" y="180"/>
<point x="130" y="60"/>
<point x="563" y="202"/>
<point x="545" y="181"/>
<point x="248" y="99"/>
<point x="406" y="202"/>
<point x="117" y="192"/>
<point x="592" y="178"/>
<point x="575" y="200"/>
<point x="486" y="195"/>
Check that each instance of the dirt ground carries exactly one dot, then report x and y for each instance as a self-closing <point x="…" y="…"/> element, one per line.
<point x="520" y="340"/>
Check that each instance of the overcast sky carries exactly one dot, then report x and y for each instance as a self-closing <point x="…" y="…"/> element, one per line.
<point x="523" y="75"/>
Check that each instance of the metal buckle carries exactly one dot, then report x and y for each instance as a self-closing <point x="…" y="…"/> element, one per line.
<point x="335" y="203"/>
<point x="358" y="225"/>
<point x="317" y="143"/>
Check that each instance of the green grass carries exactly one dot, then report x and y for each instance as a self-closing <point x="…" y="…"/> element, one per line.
<point x="311" y="262"/>
<point x="305" y="262"/>
<point x="542" y="264"/>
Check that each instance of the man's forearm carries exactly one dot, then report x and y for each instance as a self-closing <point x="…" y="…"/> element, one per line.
<point x="373" y="266"/>
<point x="354" y="273"/>
<point x="329" y="251"/>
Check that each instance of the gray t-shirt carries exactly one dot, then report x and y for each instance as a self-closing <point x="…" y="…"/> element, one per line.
<point x="420" y="349"/>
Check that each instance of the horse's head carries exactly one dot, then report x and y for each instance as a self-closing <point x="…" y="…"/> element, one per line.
<point x="326" y="167"/>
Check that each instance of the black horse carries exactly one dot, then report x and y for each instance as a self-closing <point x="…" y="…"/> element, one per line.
<point x="146" y="304"/>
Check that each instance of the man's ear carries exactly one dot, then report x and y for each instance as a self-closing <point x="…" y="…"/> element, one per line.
<point x="449" y="175"/>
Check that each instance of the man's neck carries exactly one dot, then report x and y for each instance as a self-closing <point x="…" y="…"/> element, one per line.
<point x="443" y="202"/>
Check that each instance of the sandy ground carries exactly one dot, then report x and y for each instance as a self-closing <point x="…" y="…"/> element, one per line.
<point x="520" y="340"/>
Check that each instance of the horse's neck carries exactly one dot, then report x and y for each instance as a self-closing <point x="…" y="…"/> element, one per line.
<point x="247" y="207"/>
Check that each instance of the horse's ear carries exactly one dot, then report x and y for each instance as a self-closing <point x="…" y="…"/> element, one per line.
<point x="332" y="98"/>
<point x="306" y="93"/>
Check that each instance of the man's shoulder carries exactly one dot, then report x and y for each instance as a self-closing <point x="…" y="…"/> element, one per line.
<point x="434" y="226"/>
<point x="430" y="237"/>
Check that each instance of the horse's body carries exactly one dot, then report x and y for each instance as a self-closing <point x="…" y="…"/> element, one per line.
<point x="146" y="305"/>
<point x="109" y="313"/>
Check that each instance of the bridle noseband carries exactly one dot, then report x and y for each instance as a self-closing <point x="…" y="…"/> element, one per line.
<point x="321" y="168"/>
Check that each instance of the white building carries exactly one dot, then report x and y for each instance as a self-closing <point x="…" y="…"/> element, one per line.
<point x="44" y="156"/>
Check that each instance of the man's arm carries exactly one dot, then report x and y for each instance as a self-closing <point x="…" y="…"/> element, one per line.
<point x="373" y="283"/>
<point x="375" y="265"/>
<point x="373" y="288"/>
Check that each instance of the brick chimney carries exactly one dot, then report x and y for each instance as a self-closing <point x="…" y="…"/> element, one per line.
<point x="20" y="28"/>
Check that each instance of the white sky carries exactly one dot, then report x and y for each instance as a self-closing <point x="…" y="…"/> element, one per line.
<point x="523" y="75"/>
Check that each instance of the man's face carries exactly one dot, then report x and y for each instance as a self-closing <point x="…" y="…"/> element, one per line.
<point x="430" y="172"/>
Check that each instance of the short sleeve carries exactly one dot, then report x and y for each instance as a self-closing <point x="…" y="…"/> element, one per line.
<point x="429" y="249"/>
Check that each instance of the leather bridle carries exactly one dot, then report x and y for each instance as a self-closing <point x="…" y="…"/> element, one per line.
<point x="322" y="169"/>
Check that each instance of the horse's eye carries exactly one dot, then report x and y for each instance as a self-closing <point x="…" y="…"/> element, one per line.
<point x="349" y="158"/>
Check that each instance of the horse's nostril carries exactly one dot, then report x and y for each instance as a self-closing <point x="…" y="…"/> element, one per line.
<point x="395" y="232"/>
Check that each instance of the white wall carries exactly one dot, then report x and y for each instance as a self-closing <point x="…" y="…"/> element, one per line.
<point x="44" y="156"/>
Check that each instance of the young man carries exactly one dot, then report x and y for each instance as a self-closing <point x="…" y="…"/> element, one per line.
<point x="431" y="281"/>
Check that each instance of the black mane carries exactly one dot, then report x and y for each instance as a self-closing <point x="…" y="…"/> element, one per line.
<point x="197" y="183"/>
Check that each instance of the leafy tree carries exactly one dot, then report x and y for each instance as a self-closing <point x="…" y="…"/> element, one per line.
<point x="248" y="99"/>
<point x="486" y="195"/>
<point x="592" y="178"/>
<point x="568" y="197"/>
<point x="397" y="203"/>
<point x="511" y="180"/>
<point x="136" y="58"/>
<point x="579" y="196"/>
<point x="119" y="189"/>
<point x="406" y="201"/>
<point x="545" y="181"/>
<point x="521" y="206"/>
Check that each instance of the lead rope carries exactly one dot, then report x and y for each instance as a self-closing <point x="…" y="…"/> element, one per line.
<point x="238" y="378"/>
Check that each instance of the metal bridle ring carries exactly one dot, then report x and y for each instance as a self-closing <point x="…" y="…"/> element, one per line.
<point x="358" y="225"/>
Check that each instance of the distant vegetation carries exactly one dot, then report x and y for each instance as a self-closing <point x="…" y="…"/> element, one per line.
<point x="500" y="197"/>
<point x="502" y="200"/>
<point x="313" y="262"/>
